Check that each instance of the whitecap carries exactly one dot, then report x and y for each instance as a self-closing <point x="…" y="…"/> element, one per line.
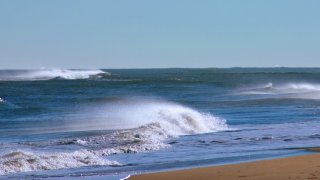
<point x="23" y="161"/>
<point x="47" y="74"/>
<point x="286" y="90"/>
<point x="146" y="126"/>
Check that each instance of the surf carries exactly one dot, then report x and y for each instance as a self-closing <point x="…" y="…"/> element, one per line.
<point x="286" y="90"/>
<point x="48" y="74"/>
<point x="138" y="125"/>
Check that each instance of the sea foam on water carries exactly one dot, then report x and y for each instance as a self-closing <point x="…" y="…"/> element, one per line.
<point x="159" y="120"/>
<point x="47" y="74"/>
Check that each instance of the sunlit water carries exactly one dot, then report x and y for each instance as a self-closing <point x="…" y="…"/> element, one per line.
<point x="111" y="123"/>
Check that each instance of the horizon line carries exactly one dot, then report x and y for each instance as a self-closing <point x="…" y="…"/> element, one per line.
<point x="231" y="67"/>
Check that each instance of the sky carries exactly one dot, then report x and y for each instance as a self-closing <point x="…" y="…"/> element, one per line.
<point x="159" y="34"/>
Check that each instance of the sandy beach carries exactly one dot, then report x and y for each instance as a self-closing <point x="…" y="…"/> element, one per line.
<point x="297" y="167"/>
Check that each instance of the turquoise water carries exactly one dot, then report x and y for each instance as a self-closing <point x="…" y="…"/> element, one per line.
<point x="110" y="123"/>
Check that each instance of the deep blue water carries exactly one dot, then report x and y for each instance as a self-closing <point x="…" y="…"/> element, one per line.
<point x="111" y="123"/>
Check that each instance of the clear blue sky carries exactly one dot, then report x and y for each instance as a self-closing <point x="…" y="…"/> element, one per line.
<point x="163" y="33"/>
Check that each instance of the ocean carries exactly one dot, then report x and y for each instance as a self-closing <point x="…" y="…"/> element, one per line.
<point x="111" y="123"/>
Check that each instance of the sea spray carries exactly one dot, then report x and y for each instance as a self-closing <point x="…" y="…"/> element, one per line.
<point x="47" y="74"/>
<point x="159" y="120"/>
<point x="285" y="90"/>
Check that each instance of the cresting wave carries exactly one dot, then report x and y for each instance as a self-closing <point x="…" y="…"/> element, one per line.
<point x="287" y="90"/>
<point x="156" y="121"/>
<point x="47" y="74"/>
<point x="4" y="104"/>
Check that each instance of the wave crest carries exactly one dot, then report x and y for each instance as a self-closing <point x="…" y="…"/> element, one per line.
<point x="287" y="90"/>
<point x="47" y="74"/>
<point x="151" y="123"/>
<point x="148" y="124"/>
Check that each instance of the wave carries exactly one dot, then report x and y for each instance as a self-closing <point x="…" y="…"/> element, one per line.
<point x="287" y="90"/>
<point x="148" y="125"/>
<point x="47" y="74"/>
<point x="134" y="112"/>
<point x="22" y="161"/>
<point x="160" y="120"/>
<point x="7" y="105"/>
<point x="145" y="125"/>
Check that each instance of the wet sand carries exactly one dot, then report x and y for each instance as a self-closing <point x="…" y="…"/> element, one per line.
<point x="297" y="167"/>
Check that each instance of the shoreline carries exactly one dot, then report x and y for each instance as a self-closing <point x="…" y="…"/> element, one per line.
<point x="294" y="167"/>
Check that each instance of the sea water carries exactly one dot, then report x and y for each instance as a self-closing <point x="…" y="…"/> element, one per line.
<point x="111" y="123"/>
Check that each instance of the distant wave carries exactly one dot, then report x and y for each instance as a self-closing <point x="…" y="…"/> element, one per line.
<point x="155" y="122"/>
<point x="47" y="74"/>
<point x="287" y="90"/>
<point x="7" y="105"/>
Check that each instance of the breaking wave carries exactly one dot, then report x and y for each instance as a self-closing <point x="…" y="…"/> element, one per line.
<point x="287" y="90"/>
<point x="22" y="161"/>
<point x="146" y="125"/>
<point x="47" y="74"/>
<point x="6" y="104"/>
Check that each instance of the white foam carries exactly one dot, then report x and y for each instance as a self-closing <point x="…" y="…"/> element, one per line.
<point x="132" y="113"/>
<point x="1" y="100"/>
<point x="287" y="90"/>
<point x="47" y="74"/>
<point x="148" y="124"/>
<point x="269" y="85"/>
<point x="300" y="87"/>
<point x="22" y="161"/>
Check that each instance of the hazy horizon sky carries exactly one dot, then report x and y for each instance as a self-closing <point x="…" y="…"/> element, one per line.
<point x="159" y="34"/>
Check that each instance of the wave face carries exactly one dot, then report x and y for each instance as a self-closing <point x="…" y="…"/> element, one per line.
<point x="128" y="113"/>
<point x="148" y="123"/>
<point x="159" y="120"/>
<point x="47" y="74"/>
<point x="287" y="90"/>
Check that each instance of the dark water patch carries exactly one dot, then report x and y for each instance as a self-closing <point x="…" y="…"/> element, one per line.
<point x="218" y="141"/>
<point x="173" y="142"/>
<point x="317" y="136"/>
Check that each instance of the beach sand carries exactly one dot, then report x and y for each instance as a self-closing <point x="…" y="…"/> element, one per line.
<point x="297" y="167"/>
